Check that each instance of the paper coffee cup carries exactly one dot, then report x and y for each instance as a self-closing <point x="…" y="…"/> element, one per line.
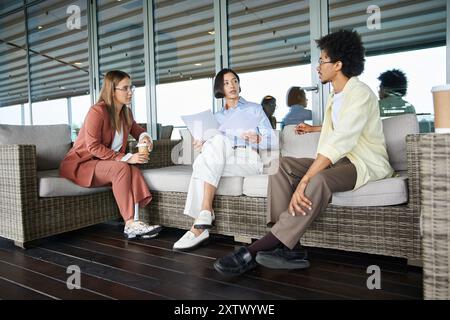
<point x="441" y="101"/>
<point x="142" y="148"/>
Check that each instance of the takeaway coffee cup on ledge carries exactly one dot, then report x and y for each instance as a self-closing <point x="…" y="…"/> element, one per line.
<point x="441" y="101"/>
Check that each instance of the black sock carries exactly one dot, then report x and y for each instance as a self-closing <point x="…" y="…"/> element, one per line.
<point x="268" y="242"/>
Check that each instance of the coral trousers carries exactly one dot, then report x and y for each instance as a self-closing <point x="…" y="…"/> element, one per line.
<point x="128" y="185"/>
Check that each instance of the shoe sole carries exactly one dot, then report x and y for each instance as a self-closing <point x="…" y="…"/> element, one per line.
<point x="201" y="243"/>
<point x="204" y="226"/>
<point x="231" y="274"/>
<point x="148" y="235"/>
<point x="269" y="263"/>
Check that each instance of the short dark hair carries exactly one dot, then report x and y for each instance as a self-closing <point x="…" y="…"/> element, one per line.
<point x="269" y="104"/>
<point x="345" y="46"/>
<point x="394" y="80"/>
<point x="218" y="82"/>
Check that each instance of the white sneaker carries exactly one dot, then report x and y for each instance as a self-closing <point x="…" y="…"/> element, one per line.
<point x="189" y="241"/>
<point x="141" y="230"/>
<point x="204" y="220"/>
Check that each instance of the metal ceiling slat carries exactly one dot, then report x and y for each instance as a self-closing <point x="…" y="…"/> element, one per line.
<point x="121" y="37"/>
<point x="183" y="40"/>
<point x="266" y="31"/>
<point x="54" y="51"/>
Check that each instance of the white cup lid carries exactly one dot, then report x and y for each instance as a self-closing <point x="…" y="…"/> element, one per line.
<point x="444" y="87"/>
<point x="141" y="145"/>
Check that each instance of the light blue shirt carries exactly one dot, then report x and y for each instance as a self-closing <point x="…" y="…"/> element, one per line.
<point x="264" y="129"/>
<point x="296" y="114"/>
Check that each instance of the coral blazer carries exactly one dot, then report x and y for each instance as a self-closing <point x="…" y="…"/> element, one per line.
<point x="93" y="144"/>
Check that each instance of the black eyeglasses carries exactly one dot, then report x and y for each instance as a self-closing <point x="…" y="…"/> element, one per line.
<point x="321" y="62"/>
<point x="126" y="88"/>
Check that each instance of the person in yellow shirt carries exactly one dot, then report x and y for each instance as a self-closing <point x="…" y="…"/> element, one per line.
<point x="351" y="152"/>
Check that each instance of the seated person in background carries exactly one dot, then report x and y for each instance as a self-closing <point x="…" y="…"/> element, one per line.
<point x="269" y="105"/>
<point x="392" y="88"/>
<point x="296" y="100"/>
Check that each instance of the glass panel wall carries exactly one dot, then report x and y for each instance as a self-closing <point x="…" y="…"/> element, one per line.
<point x="185" y="62"/>
<point x="11" y="115"/>
<point x="9" y="5"/>
<point x="405" y="46"/>
<point x="276" y="83"/>
<point x="58" y="40"/>
<point x="268" y="34"/>
<point x="50" y="112"/>
<point x="269" y="45"/>
<point x="80" y="107"/>
<point x="121" y="43"/>
<point x="13" y="57"/>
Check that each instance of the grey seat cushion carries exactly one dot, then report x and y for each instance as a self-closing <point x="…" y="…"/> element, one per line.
<point x="52" y="141"/>
<point x="395" y="130"/>
<point x="52" y="185"/>
<point x="384" y="192"/>
<point x="298" y="145"/>
<point x="176" y="179"/>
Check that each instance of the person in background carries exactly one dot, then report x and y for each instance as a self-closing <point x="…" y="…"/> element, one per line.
<point x="297" y="102"/>
<point x="98" y="156"/>
<point x="269" y="104"/>
<point x="393" y="86"/>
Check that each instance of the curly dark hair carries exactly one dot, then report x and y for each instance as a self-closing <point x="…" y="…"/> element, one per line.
<point x="345" y="46"/>
<point x="394" y="80"/>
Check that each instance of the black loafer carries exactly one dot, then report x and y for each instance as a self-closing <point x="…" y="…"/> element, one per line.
<point x="283" y="258"/>
<point x="235" y="263"/>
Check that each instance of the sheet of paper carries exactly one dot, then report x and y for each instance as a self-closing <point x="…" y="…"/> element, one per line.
<point x="202" y="126"/>
<point x="239" y="122"/>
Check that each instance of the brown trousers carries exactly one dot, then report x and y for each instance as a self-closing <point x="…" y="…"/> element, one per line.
<point x="289" y="229"/>
<point x="128" y="185"/>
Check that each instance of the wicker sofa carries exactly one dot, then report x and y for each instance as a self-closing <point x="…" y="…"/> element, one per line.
<point x="354" y="221"/>
<point x="435" y="185"/>
<point x="34" y="201"/>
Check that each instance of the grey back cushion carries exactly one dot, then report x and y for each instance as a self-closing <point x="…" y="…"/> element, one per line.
<point x="395" y="131"/>
<point x="52" y="141"/>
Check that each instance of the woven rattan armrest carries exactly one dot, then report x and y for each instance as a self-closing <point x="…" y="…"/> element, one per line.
<point x="160" y="156"/>
<point x="412" y="154"/>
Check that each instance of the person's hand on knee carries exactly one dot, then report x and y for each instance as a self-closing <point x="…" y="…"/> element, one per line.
<point x="300" y="204"/>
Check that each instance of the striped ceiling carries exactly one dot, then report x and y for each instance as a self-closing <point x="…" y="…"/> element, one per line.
<point x="263" y="34"/>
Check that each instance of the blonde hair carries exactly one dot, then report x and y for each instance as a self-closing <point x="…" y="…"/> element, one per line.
<point x="112" y="79"/>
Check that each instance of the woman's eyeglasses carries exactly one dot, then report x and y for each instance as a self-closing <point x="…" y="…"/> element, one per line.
<point x="126" y="88"/>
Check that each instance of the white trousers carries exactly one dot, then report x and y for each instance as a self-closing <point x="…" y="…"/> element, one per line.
<point x="218" y="159"/>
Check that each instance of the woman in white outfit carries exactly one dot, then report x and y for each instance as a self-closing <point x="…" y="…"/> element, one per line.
<point x="224" y="155"/>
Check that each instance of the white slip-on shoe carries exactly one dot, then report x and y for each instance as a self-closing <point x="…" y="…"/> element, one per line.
<point x="204" y="220"/>
<point x="139" y="229"/>
<point x="189" y="241"/>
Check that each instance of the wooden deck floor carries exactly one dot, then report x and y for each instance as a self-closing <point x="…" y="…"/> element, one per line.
<point x="114" y="268"/>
